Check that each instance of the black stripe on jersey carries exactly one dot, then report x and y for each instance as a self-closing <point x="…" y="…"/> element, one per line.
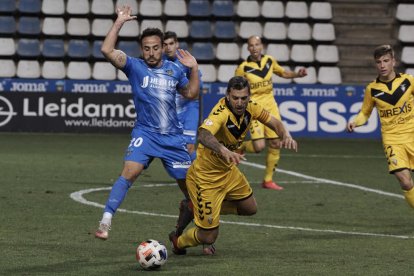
<point x="258" y="72"/>
<point x="394" y="97"/>
<point x="219" y="109"/>
<point x="234" y="130"/>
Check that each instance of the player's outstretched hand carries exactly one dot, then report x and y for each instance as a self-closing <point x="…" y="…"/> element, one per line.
<point x="124" y="13"/>
<point x="350" y="127"/>
<point x="186" y="58"/>
<point x="231" y="156"/>
<point x="289" y="143"/>
<point x="302" y="72"/>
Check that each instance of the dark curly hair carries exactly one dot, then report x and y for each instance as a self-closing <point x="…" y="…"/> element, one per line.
<point x="151" y="32"/>
<point x="238" y="83"/>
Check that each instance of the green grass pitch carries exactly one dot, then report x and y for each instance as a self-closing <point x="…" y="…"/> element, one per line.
<point x="340" y="213"/>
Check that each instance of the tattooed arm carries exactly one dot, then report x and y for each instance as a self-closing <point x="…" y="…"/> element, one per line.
<point x="210" y="141"/>
<point x="116" y="57"/>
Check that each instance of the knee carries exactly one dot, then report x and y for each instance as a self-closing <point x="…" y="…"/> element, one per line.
<point x="248" y="212"/>
<point x="132" y="171"/>
<point x="258" y="148"/>
<point x="405" y="180"/>
<point x="207" y="236"/>
<point x="406" y="185"/>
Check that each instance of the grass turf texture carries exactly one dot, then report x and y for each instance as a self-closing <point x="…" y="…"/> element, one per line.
<point x="44" y="232"/>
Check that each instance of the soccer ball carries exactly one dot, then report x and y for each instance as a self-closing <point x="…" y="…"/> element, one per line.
<point x="151" y="254"/>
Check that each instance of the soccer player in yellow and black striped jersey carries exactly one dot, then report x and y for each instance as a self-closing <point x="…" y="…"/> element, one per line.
<point x="214" y="182"/>
<point x="393" y="96"/>
<point x="258" y="70"/>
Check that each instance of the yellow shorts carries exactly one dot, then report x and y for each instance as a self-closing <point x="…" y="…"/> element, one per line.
<point x="207" y="194"/>
<point x="259" y="130"/>
<point x="400" y="156"/>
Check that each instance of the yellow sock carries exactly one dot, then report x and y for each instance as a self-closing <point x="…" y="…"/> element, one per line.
<point x="188" y="238"/>
<point x="247" y="146"/>
<point x="273" y="156"/>
<point x="228" y="208"/>
<point x="409" y="197"/>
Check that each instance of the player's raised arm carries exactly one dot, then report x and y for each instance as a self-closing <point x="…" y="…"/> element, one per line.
<point x="114" y="56"/>
<point x="302" y="72"/>
<point x="192" y="89"/>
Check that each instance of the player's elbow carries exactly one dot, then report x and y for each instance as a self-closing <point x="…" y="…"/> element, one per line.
<point x="106" y="51"/>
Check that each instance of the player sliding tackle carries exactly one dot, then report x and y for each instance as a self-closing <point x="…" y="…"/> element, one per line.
<point x="214" y="182"/>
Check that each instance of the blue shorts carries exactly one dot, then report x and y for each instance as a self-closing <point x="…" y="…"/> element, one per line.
<point x="170" y="148"/>
<point x="189" y="119"/>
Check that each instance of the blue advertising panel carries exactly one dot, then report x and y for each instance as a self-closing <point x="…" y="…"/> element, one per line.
<point x="312" y="110"/>
<point x="306" y="110"/>
<point x="72" y="86"/>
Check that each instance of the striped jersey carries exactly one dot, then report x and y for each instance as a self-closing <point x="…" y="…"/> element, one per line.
<point x="154" y="91"/>
<point x="181" y="102"/>
<point x="394" y="101"/>
<point x="229" y="130"/>
<point x="259" y="74"/>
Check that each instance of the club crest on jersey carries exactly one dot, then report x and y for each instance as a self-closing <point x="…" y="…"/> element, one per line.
<point x="169" y="72"/>
<point x="208" y="122"/>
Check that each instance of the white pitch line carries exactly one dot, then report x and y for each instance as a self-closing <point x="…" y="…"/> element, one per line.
<point x="78" y="197"/>
<point x="331" y="156"/>
<point x="326" y="181"/>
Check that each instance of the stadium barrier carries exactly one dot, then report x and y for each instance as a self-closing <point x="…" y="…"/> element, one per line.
<point x="44" y="105"/>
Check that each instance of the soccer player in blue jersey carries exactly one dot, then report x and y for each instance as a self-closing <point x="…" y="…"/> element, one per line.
<point x="188" y="110"/>
<point x="157" y="132"/>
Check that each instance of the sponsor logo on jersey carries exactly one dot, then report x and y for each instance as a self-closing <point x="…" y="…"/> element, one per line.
<point x="260" y="84"/>
<point x="405" y="108"/>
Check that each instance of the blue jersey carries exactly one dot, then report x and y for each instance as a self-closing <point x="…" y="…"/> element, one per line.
<point x="181" y="102"/>
<point x="154" y="92"/>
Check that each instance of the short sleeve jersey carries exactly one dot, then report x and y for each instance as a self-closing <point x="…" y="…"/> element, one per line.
<point x="154" y="91"/>
<point x="394" y="101"/>
<point x="259" y="75"/>
<point x="229" y="130"/>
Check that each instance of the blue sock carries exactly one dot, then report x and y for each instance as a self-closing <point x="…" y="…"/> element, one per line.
<point x="117" y="195"/>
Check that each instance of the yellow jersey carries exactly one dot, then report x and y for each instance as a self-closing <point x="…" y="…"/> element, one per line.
<point x="229" y="130"/>
<point x="259" y="75"/>
<point x="394" y="101"/>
